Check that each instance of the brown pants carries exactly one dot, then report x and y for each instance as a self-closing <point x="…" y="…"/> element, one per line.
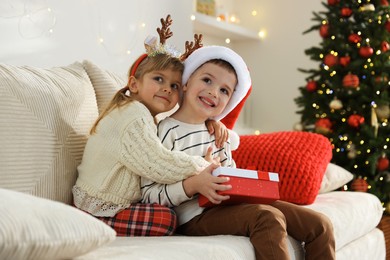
<point x="267" y="227"/>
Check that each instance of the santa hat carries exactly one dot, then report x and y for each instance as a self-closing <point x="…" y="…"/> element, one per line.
<point x="207" y="53"/>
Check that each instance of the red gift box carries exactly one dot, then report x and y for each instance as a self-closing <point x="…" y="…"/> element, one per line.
<point x="248" y="186"/>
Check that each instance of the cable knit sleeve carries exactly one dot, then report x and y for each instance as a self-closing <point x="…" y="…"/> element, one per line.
<point x="143" y="153"/>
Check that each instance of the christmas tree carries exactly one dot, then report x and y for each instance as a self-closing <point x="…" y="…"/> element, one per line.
<point x="347" y="97"/>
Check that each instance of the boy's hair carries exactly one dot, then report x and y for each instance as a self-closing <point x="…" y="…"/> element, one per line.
<point x="223" y="64"/>
<point x="160" y="61"/>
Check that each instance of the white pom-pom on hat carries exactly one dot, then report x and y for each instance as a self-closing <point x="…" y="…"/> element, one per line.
<point x="207" y="53"/>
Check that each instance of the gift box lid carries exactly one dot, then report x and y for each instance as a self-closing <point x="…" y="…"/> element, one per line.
<point x="244" y="173"/>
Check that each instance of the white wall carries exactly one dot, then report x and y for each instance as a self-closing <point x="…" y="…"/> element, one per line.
<point x="274" y="62"/>
<point x="78" y="24"/>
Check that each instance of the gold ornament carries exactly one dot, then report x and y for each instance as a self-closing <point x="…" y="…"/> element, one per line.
<point x="383" y="112"/>
<point x="336" y="104"/>
<point x="351" y="154"/>
<point x="367" y="7"/>
<point x="374" y="121"/>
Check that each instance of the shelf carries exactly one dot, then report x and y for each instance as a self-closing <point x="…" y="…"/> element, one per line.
<point x="209" y="25"/>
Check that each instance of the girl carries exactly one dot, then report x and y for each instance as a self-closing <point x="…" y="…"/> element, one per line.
<point x="124" y="146"/>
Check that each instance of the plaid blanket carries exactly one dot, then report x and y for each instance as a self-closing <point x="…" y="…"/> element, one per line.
<point x="143" y="220"/>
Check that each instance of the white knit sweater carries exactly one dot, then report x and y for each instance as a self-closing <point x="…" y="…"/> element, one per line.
<point x="124" y="148"/>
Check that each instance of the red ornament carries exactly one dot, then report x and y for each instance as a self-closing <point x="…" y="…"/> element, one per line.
<point x="351" y="81"/>
<point x="366" y="51"/>
<point x="333" y="2"/>
<point x="311" y="85"/>
<point x="385" y="46"/>
<point x="387" y="26"/>
<point x="354" y="38"/>
<point x="346" y="12"/>
<point x="384" y="3"/>
<point x="323" y="126"/>
<point x="355" y="121"/>
<point x="359" y="184"/>
<point x="382" y="163"/>
<point x="344" y="61"/>
<point x="324" y="30"/>
<point x="331" y="60"/>
<point x="381" y="79"/>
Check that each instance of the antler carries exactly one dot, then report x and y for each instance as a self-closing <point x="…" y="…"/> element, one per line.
<point x="165" y="32"/>
<point x="191" y="46"/>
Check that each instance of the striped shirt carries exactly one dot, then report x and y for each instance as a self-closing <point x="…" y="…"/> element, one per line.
<point x="193" y="140"/>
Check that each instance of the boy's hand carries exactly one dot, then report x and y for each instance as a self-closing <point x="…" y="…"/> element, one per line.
<point x="219" y="130"/>
<point x="210" y="159"/>
<point x="207" y="185"/>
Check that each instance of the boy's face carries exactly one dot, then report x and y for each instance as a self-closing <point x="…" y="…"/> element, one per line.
<point x="157" y="90"/>
<point x="208" y="90"/>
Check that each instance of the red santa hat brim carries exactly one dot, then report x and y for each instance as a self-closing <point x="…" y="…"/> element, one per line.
<point x="207" y="53"/>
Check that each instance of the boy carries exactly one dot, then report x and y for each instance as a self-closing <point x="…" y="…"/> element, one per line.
<point x="215" y="80"/>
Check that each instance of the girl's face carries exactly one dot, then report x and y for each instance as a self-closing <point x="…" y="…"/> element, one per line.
<point x="209" y="90"/>
<point x="157" y="90"/>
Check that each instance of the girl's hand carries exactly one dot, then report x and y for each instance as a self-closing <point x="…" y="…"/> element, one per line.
<point x="207" y="185"/>
<point x="219" y="130"/>
<point x="210" y="159"/>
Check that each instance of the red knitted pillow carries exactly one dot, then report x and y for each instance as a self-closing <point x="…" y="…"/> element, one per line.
<point x="300" y="158"/>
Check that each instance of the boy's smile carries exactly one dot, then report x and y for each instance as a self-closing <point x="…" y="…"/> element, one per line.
<point x="207" y="101"/>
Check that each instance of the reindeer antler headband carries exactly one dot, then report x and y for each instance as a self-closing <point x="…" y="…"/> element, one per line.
<point x="153" y="48"/>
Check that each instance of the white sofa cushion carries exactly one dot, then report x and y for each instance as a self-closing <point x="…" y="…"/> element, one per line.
<point x="37" y="228"/>
<point x="45" y="117"/>
<point x="334" y="178"/>
<point x="105" y="83"/>
<point x="353" y="214"/>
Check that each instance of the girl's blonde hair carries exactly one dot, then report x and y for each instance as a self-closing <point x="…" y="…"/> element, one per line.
<point x="160" y="61"/>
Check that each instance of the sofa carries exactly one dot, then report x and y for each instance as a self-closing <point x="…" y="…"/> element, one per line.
<point x="45" y="116"/>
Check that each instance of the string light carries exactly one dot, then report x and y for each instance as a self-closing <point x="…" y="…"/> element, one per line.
<point x="233" y="19"/>
<point x="36" y="23"/>
<point x="262" y="34"/>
